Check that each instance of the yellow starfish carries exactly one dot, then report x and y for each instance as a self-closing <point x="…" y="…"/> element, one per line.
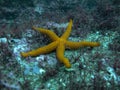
<point x="60" y="44"/>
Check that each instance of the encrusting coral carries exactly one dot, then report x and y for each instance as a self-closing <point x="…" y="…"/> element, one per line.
<point x="60" y="44"/>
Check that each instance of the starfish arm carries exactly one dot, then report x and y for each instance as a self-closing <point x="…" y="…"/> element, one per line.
<point x="51" y="34"/>
<point x="43" y="50"/>
<point x="60" y="55"/>
<point x="68" y="30"/>
<point x="75" y="45"/>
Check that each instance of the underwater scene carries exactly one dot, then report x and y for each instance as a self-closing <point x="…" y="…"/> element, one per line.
<point x="59" y="44"/>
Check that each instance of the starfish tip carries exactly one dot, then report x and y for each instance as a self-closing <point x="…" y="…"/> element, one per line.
<point x="66" y="63"/>
<point x="23" y="54"/>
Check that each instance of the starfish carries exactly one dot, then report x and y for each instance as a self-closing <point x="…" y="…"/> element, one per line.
<point x="60" y="44"/>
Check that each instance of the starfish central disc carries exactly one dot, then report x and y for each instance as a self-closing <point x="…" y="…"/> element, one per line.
<point x="62" y="41"/>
